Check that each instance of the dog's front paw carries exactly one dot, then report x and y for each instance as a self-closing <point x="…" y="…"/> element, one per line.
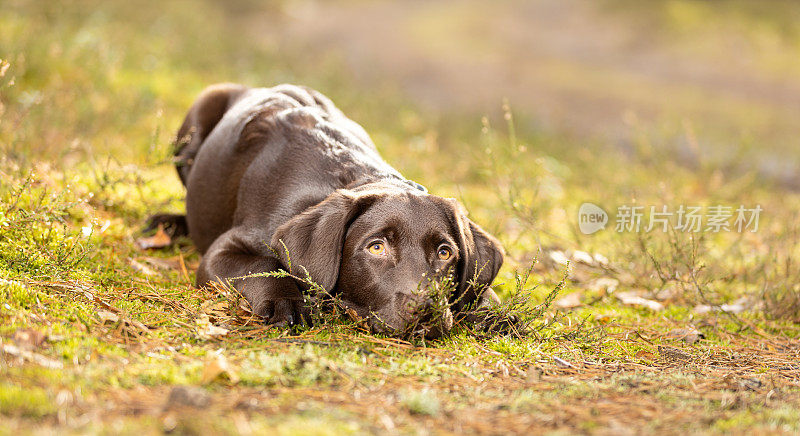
<point x="277" y="300"/>
<point x="286" y="312"/>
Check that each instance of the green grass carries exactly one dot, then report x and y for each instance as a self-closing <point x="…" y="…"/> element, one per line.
<point x="90" y="94"/>
<point x="28" y="403"/>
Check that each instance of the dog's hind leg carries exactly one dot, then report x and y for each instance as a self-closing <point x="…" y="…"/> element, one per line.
<point x="201" y="119"/>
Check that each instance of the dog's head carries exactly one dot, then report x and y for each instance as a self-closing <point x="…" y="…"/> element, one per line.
<point x="381" y="249"/>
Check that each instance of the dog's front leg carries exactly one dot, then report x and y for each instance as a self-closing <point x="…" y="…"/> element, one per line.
<point x="231" y="259"/>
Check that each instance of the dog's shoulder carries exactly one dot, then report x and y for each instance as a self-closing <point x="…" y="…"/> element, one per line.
<point x="297" y="113"/>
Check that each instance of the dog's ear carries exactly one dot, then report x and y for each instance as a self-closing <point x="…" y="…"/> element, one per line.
<point x="481" y="259"/>
<point x="312" y="242"/>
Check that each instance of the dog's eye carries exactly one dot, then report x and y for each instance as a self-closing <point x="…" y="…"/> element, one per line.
<point x="377" y="248"/>
<point x="444" y="253"/>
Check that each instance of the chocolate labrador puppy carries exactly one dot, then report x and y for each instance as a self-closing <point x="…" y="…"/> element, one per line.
<point x="279" y="179"/>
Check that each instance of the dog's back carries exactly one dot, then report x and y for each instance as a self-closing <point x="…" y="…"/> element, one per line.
<point x="279" y="179"/>
<point x="270" y="154"/>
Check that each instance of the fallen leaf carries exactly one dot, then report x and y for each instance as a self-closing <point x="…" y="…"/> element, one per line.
<point x="107" y="316"/>
<point x="159" y="240"/>
<point x="737" y="306"/>
<point x="690" y="335"/>
<point x="600" y="259"/>
<point x="214" y="308"/>
<point x="582" y="257"/>
<point x="645" y="355"/>
<point x="559" y="257"/>
<point x="632" y="299"/>
<point x="603" y="319"/>
<point x="569" y="301"/>
<point x="218" y="368"/>
<point x="207" y="330"/>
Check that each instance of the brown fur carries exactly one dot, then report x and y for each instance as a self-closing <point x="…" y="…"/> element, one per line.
<point x="268" y="168"/>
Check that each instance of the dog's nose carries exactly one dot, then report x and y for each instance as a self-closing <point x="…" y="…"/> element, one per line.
<point x="432" y="319"/>
<point x="438" y="325"/>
